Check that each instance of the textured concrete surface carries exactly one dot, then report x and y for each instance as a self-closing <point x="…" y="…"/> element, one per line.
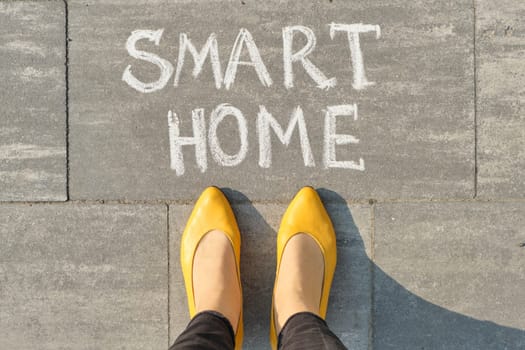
<point x="449" y="276"/>
<point x="32" y="101"/>
<point x="83" y="277"/>
<point x="421" y="108"/>
<point x="349" y="309"/>
<point x="501" y="96"/>
<point x="434" y="262"/>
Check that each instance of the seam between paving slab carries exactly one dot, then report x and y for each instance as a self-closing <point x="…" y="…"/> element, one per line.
<point x="474" y="20"/>
<point x="278" y="202"/>
<point x="169" y="282"/>
<point x="371" y="268"/>
<point x="66" y="30"/>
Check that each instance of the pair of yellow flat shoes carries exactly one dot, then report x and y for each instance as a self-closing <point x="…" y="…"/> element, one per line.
<point x="305" y="214"/>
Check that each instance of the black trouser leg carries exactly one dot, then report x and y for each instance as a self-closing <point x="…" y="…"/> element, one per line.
<point x="208" y="330"/>
<point x="307" y="331"/>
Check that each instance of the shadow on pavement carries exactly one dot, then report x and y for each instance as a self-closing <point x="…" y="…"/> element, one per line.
<point x="402" y="320"/>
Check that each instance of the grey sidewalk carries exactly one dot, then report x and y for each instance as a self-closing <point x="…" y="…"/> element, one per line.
<point x="440" y="275"/>
<point x="430" y="233"/>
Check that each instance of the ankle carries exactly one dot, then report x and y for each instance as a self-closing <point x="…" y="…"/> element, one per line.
<point x="299" y="281"/>
<point x="216" y="284"/>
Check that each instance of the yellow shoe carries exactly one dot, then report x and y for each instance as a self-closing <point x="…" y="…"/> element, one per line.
<point x="211" y="212"/>
<point x="306" y="214"/>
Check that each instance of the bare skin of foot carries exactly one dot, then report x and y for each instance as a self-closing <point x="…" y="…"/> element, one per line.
<point x="215" y="282"/>
<point x="299" y="283"/>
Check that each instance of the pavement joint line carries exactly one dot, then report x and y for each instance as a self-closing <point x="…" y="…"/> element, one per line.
<point x="371" y="268"/>
<point x="474" y="20"/>
<point x="168" y="257"/>
<point x="278" y="202"/>
<point x="29" y="1"/>
<point x="67" y="135"/>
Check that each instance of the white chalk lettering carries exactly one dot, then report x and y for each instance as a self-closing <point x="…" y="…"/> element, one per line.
<point x="353" y="30"/>
<point x="166" y="68"/>
<point x="265" y="121"/>
<point x="176" y="141"/>
<point x="298" y="46"/>
<point x="290" y="57"/>
<point x="217" y="116"/>
<point x="331" y="138"/>
<point x="211" y="48"/>
<point x="245" y="38"/>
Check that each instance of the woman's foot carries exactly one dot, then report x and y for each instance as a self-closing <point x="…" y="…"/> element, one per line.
<point x="215" y="283"/>
<point x="300" y="279"/>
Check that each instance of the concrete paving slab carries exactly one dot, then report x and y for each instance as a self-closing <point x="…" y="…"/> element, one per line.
<point x="83" y="277"/>
<point x="501" y="97"/>
<point x="33" y="108"/>
<point x="415" y="126"/>
<point x="449" y="276"/>
<point x="349" y="309"/>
